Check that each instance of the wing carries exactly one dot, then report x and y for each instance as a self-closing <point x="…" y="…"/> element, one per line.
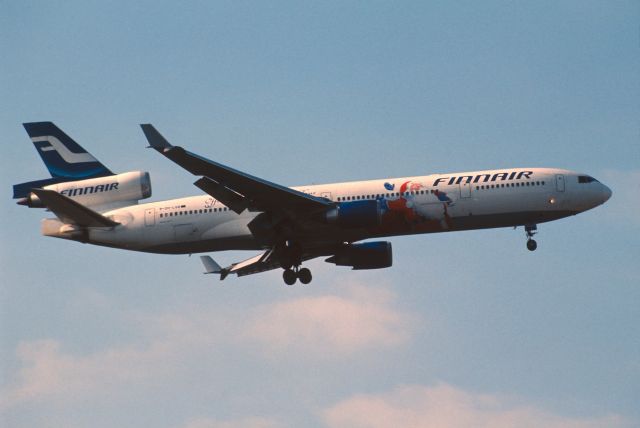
<point x="236" y="189"/>
<point x="69" y="211"/>
<point x="260" y="263"/>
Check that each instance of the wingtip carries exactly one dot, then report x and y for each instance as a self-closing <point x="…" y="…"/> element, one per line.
<point x="210" y="265"/>
<point x="155" y="139"/>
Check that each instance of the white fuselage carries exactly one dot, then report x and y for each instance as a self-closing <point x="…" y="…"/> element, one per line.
<point x="425" y="204"/>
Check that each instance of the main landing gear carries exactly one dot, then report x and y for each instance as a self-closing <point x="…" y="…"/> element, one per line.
<point x="291" y="275"/>
<point x="290" y="254"/>
<point x="531" y="229"/>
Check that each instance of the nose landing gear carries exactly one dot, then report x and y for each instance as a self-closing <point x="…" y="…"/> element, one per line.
<point x="292" y="274"/>
<point x="531" y="229"/>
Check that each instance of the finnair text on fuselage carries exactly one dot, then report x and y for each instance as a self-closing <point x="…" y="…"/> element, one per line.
<point x="502" y="176"/>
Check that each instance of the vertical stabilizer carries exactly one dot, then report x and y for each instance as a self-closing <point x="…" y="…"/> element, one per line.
<point x="63" y="157"/>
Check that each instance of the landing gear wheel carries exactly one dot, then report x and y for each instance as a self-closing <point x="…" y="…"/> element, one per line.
<point x="530" y="230"/>
<point x="289" y="277"/>
<point x="304" y="275"/>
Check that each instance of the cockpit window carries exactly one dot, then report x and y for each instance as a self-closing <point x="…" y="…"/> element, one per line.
<point x="586" y="179"/>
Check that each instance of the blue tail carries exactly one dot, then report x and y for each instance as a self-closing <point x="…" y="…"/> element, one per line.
<point x="63" y="156"/>
<point x="65" y="159"/>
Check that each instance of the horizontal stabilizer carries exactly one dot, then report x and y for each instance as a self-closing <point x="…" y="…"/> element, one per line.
<point x="22" y="190"/>
<point x="69" y="211"/>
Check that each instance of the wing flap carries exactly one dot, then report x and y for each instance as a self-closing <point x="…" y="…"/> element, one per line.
<point x="70" y="211"/>
<point x="233" y="200"/>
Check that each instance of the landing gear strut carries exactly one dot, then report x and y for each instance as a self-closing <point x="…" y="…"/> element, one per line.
<point x="291" y="275"/>
<point x="531" y="229"/>
<point x="290" y="256"/>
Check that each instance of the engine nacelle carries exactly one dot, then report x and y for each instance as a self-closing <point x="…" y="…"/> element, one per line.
<point x="128" y="187"/>
<point x="368" y="255"/>
<point x="356" y="214"/>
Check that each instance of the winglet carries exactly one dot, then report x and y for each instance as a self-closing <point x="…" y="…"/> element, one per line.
<point x="156" y="140"/>
<point x="210" y="266"/>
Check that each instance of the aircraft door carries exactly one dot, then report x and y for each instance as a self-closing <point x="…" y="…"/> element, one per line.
<point x="465" y="190"/>
<point x="560" y="183"/>
<point x="150" y="217"/>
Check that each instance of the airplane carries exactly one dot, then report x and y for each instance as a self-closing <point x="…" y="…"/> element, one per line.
<point x="288" y="225"/>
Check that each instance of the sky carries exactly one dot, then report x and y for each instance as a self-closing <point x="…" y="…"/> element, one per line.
<point x="467" y="329"/>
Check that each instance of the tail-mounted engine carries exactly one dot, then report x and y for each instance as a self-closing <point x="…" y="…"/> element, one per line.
<point x="128" y="188"/>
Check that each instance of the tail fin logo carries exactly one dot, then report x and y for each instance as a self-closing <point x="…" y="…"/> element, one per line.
<point x="66" y="154"/>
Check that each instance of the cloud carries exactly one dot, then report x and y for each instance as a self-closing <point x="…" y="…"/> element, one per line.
<point x="251" y="422"/>
<point x="624" y="205"/>
<point x="48" y="372"/>
<point x="169" y="344"/>
<point x="331" y="326"/>
<point x="444" y="406"/>
<point x="163" y="344"/>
